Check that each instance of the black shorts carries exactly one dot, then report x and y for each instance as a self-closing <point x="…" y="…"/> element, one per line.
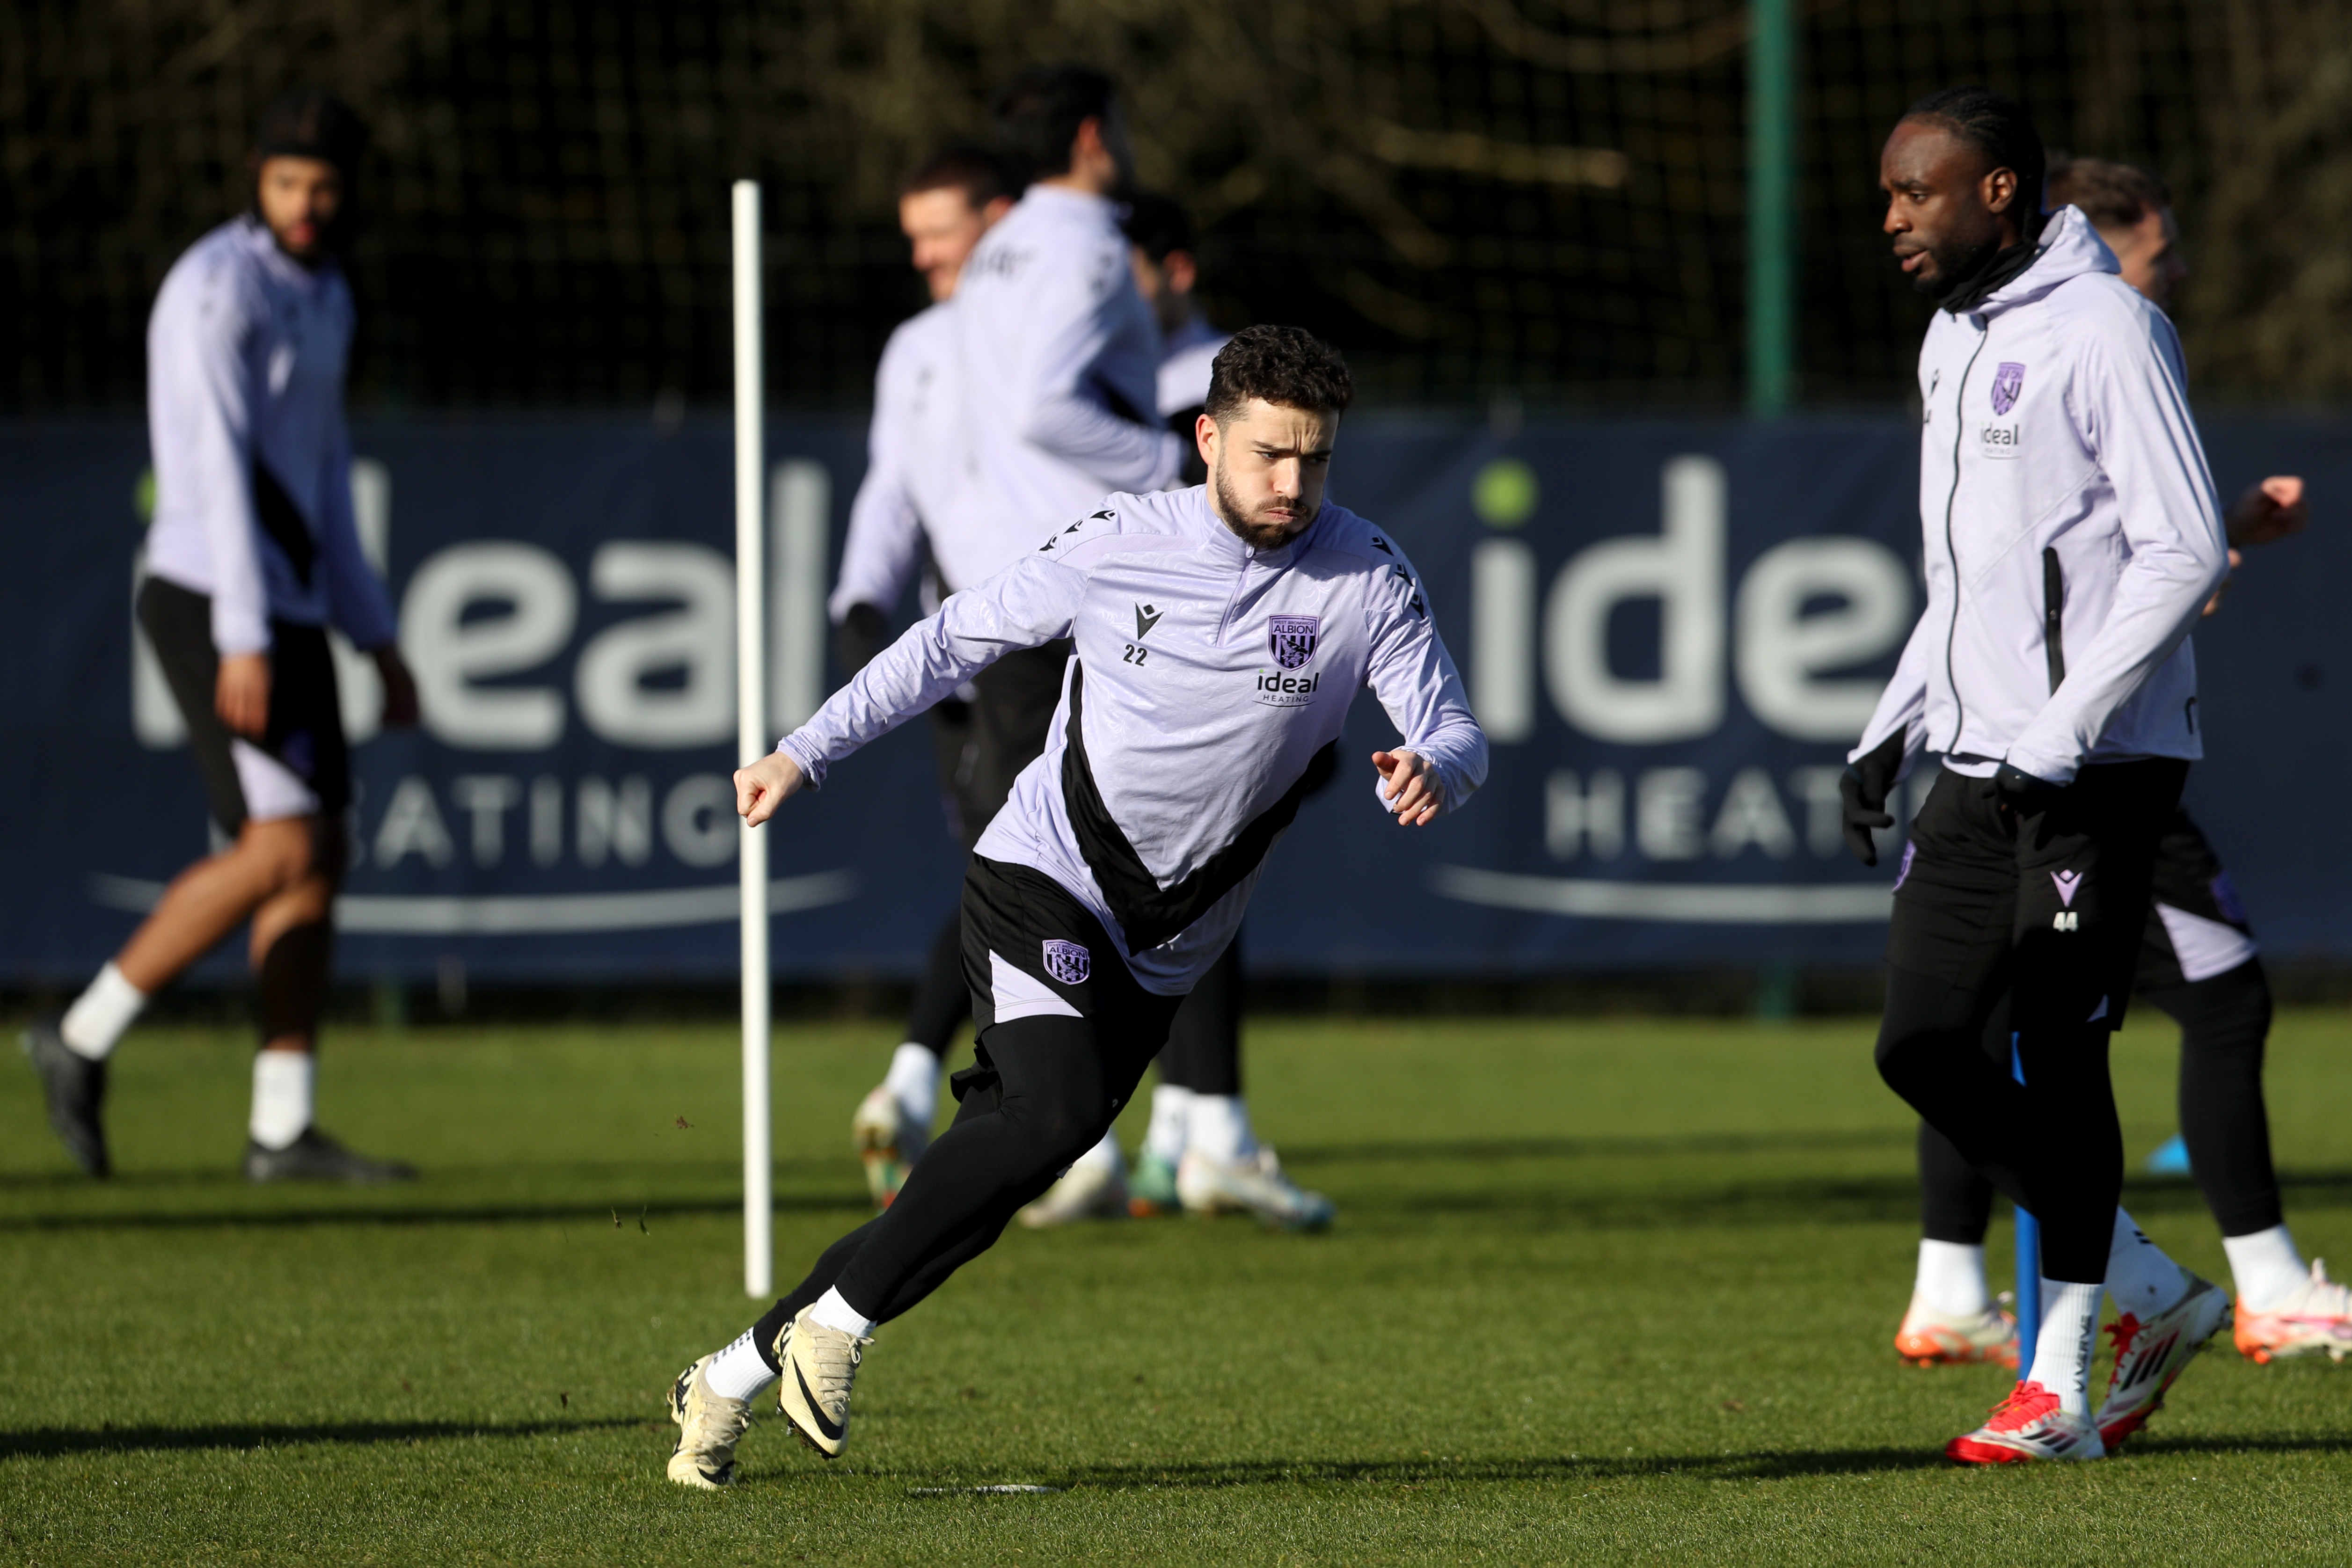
<point x="1031" y="950"/>
<point x="305" y="733"/>
<point x="2191" y="880"/>
<point x="2053" y="906"/>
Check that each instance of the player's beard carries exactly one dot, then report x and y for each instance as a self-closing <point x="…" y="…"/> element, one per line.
<point x="1255" y="534"/>
<point x="1956" y="263"/>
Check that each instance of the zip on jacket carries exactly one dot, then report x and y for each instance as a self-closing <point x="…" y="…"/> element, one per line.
<point x="2075" y="461"/>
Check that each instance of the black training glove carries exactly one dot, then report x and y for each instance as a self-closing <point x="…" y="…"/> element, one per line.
<point x="2023" y="792"/>
<point x="863" y="632"/>
<point x="1863" y="792"/>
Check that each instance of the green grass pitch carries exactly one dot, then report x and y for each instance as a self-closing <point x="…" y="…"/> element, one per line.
<point x="1599" y="1290"/>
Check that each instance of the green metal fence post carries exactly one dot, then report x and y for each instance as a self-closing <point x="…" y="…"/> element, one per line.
<point x="1771" y="206"/>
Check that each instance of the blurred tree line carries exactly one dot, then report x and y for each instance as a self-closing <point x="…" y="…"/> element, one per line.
<point x="1476" y="198"/>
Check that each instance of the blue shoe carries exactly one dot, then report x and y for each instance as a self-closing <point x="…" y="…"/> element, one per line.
<point x="2171" y="1159"/>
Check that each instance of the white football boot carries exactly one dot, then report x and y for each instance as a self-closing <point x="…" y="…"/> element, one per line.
<point x="1090" y="1189"/>
<point x="2151" y="1355"/>
<point x="888" y="1143"/>
<point x="709" y="1428"/>
<point x="1255" y="1185"/>
<point x="819" y="1366"/>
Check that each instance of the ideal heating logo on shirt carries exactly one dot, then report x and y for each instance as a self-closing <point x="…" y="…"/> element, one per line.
<point x="2001" y="441"/>
<point x="1277" y="690"/>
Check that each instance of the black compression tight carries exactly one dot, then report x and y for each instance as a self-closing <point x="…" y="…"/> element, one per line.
<point x="1058" y="1088"/>
<point x="943" y="1000"/>
<point x="2051" y="1144"/>
<point x="2224" y="1021"/>
<point x="1204" y="1052"/>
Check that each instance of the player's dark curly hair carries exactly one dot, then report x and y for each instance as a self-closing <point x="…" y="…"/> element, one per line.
<point x="1285" y="365"/>
<point x="1996" y="125"/>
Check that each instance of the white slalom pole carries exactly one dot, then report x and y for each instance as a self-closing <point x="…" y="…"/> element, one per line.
<point x="752" y="739"/>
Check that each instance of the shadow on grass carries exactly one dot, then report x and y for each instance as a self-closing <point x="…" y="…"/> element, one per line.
<point x="55" y="1443"/>
<point x="1562" y="1470"/>
<point x="1665" y="1145"/>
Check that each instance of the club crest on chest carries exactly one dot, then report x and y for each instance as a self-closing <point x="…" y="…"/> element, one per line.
<point x="1291" y="639"/>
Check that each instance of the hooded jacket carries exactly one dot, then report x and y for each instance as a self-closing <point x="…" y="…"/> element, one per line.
<point x="1208" y="674"/>
<point x="2070" y="529"/>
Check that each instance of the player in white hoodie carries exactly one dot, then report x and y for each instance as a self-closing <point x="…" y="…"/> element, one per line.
<point x="2198" y="962"/>
<point x="2072" y="540"/>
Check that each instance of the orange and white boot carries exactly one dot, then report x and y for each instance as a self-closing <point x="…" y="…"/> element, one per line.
<point x="1930" y="1338"/>
<point x="2316" y="1319"/>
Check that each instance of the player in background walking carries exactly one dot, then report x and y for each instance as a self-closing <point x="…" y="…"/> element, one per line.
<point x="2197" y="962"/>
<point x="1201" y="1152"/>
<point x="2051" y="670"/>
<point x="1046" y="363"/>
<point x="952" y="199"/>
<point x="1117" y="871"/>
<point x="253" y="552"/>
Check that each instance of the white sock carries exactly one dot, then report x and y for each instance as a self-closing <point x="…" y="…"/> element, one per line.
<point x="1103" y="1156"/>
<point x="1171" y="1111"/>
<point x="282" y="1084"/>
<point x="1220" y="1131"/>
<point x="1951" y="1278"/>
<point x="739" y="1371"/>
<point x="2140" y="1278"/>
<point x="835" y="1313"/>
<point x="100" y="1014"/>
<point x="2061" y="1356"/>
<point x="2266" y="1267"/>
<point x="914" y="1082"/>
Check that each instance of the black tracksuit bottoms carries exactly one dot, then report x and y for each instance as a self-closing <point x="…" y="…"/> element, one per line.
<point x="1042" y="1088"/>
<point x="2047" y="909"/>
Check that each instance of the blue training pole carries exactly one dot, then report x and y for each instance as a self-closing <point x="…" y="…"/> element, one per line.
<point x="2029" y="1259"/>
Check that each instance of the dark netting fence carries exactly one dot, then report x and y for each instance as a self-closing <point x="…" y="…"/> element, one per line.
<point x="1539" y="198"/>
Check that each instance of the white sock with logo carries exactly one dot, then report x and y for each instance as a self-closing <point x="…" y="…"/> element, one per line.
<point x="836" y="1313"/>
<point x="2140" y="1278"/>
<point x="100" y="1014"/>
<point x="2061" y="1356"/>
<point x="282" y="1085"/>
<point x="739" y="1371"/>
<point x="914" y="1082"/>
<point x="1220" y="1130"/>
<point x="1103" y="1156"/>
<point x="2267" y="1267"/>
<point x="1951" y="1278"/>
<point x="1171" y="1121"/>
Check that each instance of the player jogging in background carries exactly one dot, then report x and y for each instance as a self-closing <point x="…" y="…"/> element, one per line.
<point x="252" y="554"/>
<point x="1201" y="1152"/>
<point x="2071" y="539"/>
<point x="1048" y="356"/>
<point x="1118" y="870"/>
<point x="2197" y="962"/>
<point x="945" y="205"/>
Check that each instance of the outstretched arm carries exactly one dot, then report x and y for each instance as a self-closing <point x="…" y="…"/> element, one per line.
<point x="1029" y="603"/>
<point x="1443" y="757"/>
